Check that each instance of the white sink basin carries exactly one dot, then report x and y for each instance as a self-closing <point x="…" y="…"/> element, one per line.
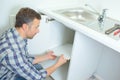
<point x="102" y="27"/>
<point x="80" y="15"/>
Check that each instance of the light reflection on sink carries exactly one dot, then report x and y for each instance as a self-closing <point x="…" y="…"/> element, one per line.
<point x="80" y="15"/>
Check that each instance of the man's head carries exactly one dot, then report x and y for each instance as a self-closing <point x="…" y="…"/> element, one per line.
<point x="27" y="22"/>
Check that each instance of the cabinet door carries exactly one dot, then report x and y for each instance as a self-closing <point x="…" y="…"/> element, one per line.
<point x="85" y="57"/>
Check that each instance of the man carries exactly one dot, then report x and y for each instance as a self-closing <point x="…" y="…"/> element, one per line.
<point x="15" y="62"/>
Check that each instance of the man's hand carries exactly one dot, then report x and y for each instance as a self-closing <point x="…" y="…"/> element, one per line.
<point x="59" y="63"/>
<point x="50" y="55"/>
<point x="62" y="60"/>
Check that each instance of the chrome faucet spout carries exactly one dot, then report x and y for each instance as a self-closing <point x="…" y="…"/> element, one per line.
<point x="102" y="16"/>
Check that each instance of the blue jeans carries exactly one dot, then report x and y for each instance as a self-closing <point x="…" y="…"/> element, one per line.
<point x="37" y="66"/>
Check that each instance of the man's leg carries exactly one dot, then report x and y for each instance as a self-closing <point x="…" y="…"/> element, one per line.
<point x="17" y="77"/>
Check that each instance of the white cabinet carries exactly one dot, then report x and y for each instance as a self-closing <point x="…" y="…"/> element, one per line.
<point x="87" y="56"/>
<point x="109" y="66"/>
<point x="53" y="36"/>
<point x="90" y="57"/>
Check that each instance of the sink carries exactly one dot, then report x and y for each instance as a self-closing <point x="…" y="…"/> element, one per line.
<point x="102" y="27"/>
<point x="80" y="15"/>
<point x="89" y="19"/>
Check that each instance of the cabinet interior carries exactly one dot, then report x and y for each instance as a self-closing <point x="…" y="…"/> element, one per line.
<point x="62" y="42"/>
<point x="57" y="37"/>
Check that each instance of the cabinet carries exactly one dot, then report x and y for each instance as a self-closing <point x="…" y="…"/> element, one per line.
<point x="90" y="57"/>
<point x="109" y="66"/>
<point x="87" y="56"/>
<point x="53" y="36"/>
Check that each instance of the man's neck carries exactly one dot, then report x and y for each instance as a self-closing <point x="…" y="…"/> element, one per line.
<point x="21" y="32"/>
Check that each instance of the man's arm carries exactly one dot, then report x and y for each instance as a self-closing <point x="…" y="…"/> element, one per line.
<point x="41" y="58"/>
<point x="60" y="62"/>
<point x="50" y="55"/>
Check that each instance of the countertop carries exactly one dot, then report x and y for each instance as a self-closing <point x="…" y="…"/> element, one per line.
<point x="101" y="38"/>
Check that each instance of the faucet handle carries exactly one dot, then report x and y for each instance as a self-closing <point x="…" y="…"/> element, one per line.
<point x="102" y="15"/>
<point x="104" y="10"/>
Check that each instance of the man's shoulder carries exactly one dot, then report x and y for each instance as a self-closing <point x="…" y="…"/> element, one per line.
<point x="6" y="38"/>
<point x="6" y="33"/>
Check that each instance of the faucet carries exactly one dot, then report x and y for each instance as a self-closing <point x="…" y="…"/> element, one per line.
<point x="102" y="16"/>
<point x="101" y="19"/>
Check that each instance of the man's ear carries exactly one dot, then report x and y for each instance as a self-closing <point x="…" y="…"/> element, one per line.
<point x="25" y="27"/>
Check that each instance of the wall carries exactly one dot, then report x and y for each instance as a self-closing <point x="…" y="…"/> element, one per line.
<point x="14" y="5"/>
<point x="111" y="5"/>
<point x="11" y="7"/>
<point x="113" y="8"/>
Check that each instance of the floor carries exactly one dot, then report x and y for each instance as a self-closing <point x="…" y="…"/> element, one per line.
<point x="93" y="78"/>
<point x="50" y="78"/>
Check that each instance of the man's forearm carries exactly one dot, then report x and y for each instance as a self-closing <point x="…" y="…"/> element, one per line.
<point x="39" y="59"/>
<point x="51" y="69"/>
<point x="59" y="63"/>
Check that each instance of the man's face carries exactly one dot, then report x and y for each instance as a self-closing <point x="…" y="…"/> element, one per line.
<point x="33" y="29"/>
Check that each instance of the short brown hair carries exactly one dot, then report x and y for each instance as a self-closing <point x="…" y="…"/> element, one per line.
<point x="26" y="15"/>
